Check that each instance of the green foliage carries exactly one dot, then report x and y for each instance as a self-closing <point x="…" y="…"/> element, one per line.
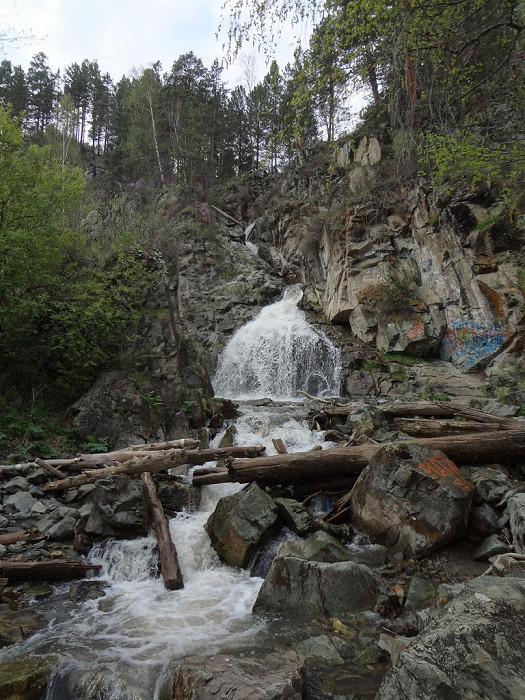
<point x="407" y="360"/>
<point x="442" y="396"/>
<point x="399" y="374"/>
<point x="154" y="400"/>
<point x="186" y="407"/>
<point x="94" y="445"/>
<point x="464" y="158"/>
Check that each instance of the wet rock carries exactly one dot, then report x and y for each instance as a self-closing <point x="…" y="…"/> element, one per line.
<point x="516" y="509"/>
<point x="294" y="515"/>
<point x="315" y="577"/>
<point x="16" y="625"/>
<point x="320" y="648"/>
<point x="492" y="485"/>
<point x="412" y="499"/>
<point x="262" y="559"/>
<point x="24" y="678"/>
<point x="490" y="547"/>
<point x="241" y="523"/>
<point x="271" y="676"/>
<point x="474" y="649"/>
<point x="80" y="591"/>
<point x="120" y="508"/>
<point x="177" y="496"/>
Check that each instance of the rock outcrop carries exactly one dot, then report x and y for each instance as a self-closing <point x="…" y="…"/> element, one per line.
<point x="412" y="499"/>
<point x="474" y="649"/>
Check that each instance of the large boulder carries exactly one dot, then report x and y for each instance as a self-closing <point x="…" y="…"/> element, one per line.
<point x="516" y="509"/>
<point x="316" y="577"/>
<point x="473" y="650"/>
<point x="241" y="523"/>
<point x="24" y="678"/>
<point x="412" y="499"/>
<point x="120" y="508"/>
<point x="271" y="676"/>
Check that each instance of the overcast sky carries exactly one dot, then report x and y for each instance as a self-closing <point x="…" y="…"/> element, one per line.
<point x="120" y="34"/>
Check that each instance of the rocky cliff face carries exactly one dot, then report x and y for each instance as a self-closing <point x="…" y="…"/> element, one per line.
<point x="409" y="269"/>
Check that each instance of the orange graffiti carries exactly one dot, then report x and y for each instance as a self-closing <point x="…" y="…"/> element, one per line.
<point x="418" y="328"/>
<point x="440" y="467"/>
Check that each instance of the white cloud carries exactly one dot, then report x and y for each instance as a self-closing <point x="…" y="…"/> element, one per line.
<point x="120" y="34"/>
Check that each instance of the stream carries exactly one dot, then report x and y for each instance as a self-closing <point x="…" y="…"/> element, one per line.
<point x="124" y="645"/>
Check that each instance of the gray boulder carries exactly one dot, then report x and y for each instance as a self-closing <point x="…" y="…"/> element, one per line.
<point x="241" y="523"/>
<point x="516" y="509"/>
<point x="474" y="650"/>
<point x="120" y="508"/>
<point x="492" y="486"/>
<point x="271" y="676"/>
<point x="316" y="577"/>
<point x="412" y="499"/>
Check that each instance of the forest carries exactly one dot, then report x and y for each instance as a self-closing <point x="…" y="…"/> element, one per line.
<point x="445" y="82"/>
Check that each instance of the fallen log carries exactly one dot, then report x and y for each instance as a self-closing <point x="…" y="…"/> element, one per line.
<point x="215" y="453"/>
<point x="50" y="469"/>
<point x="12" y="537"/>
<point x="483" y="417"/>
<point x="45" y="570"/>
<point x="424" y="427"/>
<point x="154" y="462"/>
<point x="183" y="444"/>
<point x="443" y="409"/>
<point x="493" y="446"/>
<point x="280" y="447"/>
<point x="169" y="561"/>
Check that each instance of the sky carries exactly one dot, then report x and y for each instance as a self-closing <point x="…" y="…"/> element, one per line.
<point x="123" y="34"/>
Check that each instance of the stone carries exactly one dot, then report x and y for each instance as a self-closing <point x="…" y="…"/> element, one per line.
<point x="241" y="523"/>
<point x="474" y="649"/>
<point x="412" y="499"/>
<point x="394" y="646"/>
<point x="294" y="515"/>
<point x="270" y="676"/>
<point x="25" y="678"/>
<point x="484" y="520"/>
<point x="59" y="524"/>
<point x="21" y="502"/>
<point x="492" y="486"/>
<point x="490" y="547"/>
<point x="516" y="509"/>
<point x="421" y="593"/>
<point x="80" y="591"/>
<point x="17" y="484"/>
<point x="320" y="648"/>
<point x="315" y="577"/>
<point x="120" y="508"/>
<point x="178" y="496"/>
<point x="16" y="625"/>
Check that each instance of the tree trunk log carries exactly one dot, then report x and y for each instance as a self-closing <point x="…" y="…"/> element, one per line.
<point x="280" y="447"/>
<point x="422" y="427"/>
<point x="169" y="562"/>
<point x="154" y="462"/>
<point x="215" y="453"/>
<point x="501" y="445"/>
<point x="45" y="570"/>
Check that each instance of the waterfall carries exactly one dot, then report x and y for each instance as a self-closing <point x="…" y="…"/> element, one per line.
<point x="278" y="353"/>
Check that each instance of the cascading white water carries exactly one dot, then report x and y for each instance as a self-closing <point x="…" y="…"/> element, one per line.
<point x="278" y="353"/>
<point x="120" y="647"/>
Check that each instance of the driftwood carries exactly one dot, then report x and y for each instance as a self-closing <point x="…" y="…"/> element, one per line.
<point x="169" y="561"/>
<point x="214" y="453"/>
<point x="344" y="462"/>
<point x="153" y="462"/>
<point x="45" y="570"/>
<point x="424" y="427"/>
<point x="12" y="537"/>
<point x="280" y="447"/>
<point x="50" y="469"/>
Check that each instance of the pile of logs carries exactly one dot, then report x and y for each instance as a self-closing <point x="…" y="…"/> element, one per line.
<point x="466" y="435"/>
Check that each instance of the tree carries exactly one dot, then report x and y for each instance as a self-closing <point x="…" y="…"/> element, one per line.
<point x="42" y="84"/>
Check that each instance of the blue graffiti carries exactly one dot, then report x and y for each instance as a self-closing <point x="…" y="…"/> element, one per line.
<point x="468" y="342"/>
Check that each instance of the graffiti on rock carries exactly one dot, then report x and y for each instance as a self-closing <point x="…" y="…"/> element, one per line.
<point x="468" y="342"/>
<point x="440" y="467"/>
<point x="416" y="330"/>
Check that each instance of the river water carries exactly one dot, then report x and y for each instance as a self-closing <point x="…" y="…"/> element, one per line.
<point x="122" y="646"/>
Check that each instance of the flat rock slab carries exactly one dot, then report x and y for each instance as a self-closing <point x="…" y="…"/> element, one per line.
<point x="272" y="676"/>
<point x="316" y="577"/>
<point x="411" y="498"/>
<point x="474" y="649"/>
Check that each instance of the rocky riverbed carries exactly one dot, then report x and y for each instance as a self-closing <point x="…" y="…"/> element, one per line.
<point x="421" y="600"/>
